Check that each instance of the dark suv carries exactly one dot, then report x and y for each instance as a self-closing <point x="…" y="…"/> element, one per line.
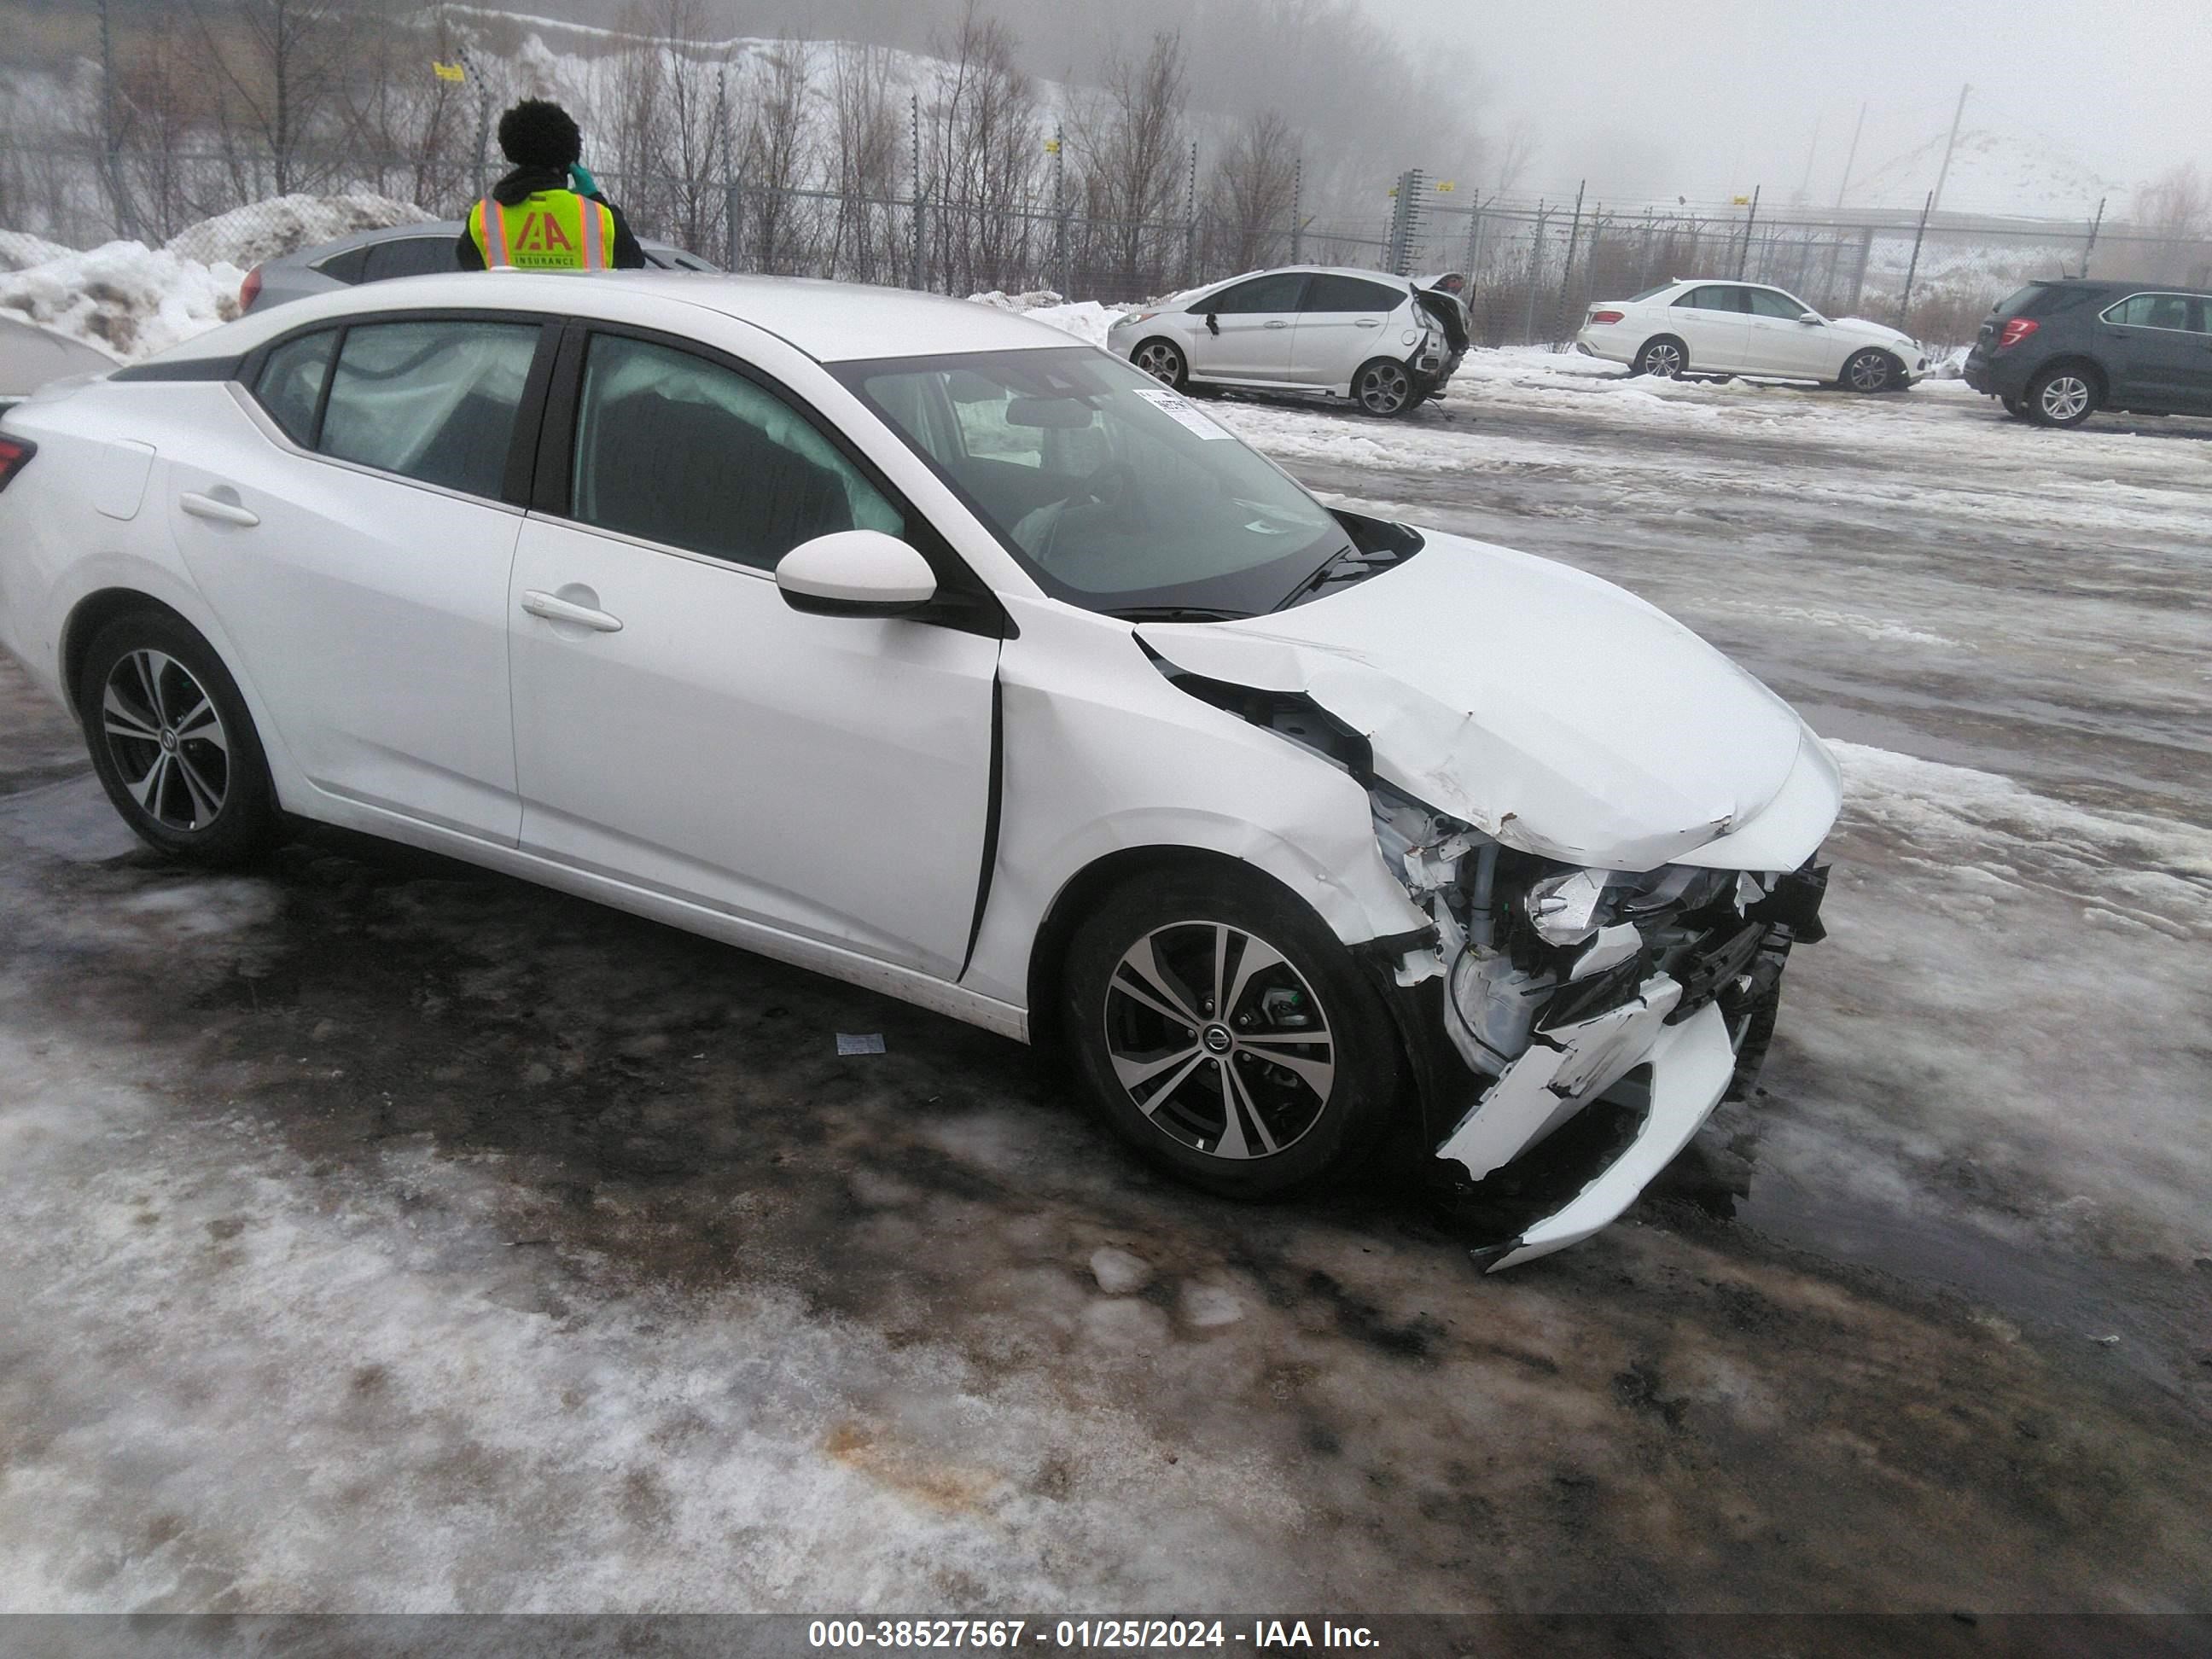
<point x="2058" y="351"/>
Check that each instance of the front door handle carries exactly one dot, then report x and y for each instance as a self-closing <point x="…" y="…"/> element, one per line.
<point x="1278" y="323"/>
<point x="557" y="610"/>
<point x="215" y="508"/>
<point x="1367" y="322"/>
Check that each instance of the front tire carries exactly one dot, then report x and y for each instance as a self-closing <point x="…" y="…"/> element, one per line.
<point x="1664" y="358"/>
<point x="173" y="744"/>
<point x="2063" y="395"/>
<point x="1219" y="1029"/>
<point x="1872" y="371"/>
<point x="1163" y="360"/>
<point x="1385" y="386"/>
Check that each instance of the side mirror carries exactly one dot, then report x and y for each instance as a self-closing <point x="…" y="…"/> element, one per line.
<point x="1211" y="326"/>
<point x="1810" y="317"/>
<point x="855" y="573"/>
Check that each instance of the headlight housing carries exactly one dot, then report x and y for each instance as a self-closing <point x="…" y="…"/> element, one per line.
<point x="1563" y="909"/>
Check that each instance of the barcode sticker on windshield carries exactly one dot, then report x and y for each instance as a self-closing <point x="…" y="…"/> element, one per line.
<point x="1185" y="413"/>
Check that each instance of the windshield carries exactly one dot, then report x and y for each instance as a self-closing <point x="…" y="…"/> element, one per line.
<point x="1112" y="491"/>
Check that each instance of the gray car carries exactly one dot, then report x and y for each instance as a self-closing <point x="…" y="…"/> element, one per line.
<point x="375" y="256"/>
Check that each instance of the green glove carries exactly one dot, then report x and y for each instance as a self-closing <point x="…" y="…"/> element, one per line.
<point x="579" y="176"/>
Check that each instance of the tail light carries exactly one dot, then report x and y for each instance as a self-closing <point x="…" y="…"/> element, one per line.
<point x="14" y="452"/>
<point x="250" y="289"/>
<point x="1607" y="316"/>
<point x="2016" y="329"/>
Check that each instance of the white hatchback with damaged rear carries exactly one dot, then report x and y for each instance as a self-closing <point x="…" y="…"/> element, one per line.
<point x="906" y="640"/>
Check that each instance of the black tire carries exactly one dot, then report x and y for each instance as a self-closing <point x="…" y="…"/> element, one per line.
<point x="1385" y="387"/>
<point x="2063" y="395"/>
<point x="1307" y="1001"/>
<point x="1871" y="371"/>
<point x="2015" y="407"/>
<point x="1163" y="360"/>
<point x="1663" y="357"/>
<point x="174" y="745"/>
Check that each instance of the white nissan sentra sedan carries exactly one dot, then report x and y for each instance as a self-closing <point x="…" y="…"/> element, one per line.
<point x="907" y="641"/>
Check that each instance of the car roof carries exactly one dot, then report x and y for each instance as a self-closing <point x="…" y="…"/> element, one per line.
<point x="1386" y="276"/>
<point x="830" y="322"/>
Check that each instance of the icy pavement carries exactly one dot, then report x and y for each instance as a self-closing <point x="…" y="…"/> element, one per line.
<point x="374" y="1234"/>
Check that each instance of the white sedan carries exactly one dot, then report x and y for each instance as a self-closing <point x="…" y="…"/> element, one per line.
<point x="1381" y="341"/>
<point x="1710" y="327"/>
<point x="908" y="641"/>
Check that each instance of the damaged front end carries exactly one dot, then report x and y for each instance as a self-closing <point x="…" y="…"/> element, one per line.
<point x="1561" y="986"/>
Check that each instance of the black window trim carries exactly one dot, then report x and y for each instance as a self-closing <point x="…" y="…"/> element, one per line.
<point x="2203" y="310"/>
<point x="529" y="412"/>
<point x="1207" y="307"/>
<point x="964" y="602"/>
<point x="1315" y="278"/>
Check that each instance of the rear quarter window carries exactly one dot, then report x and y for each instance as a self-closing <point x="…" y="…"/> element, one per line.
<point x="290" y="384"/>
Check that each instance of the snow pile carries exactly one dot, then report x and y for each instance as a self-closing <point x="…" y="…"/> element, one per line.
<point x="126" y="298"/>
<point x="19" y="251"/>
<point x="1086" y="320"/>
<point x="284" y="224"/>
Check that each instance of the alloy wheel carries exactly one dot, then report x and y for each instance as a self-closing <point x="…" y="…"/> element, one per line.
<point x="1161" y="361"/>
<point x="1385" y="388"/>
<point x="166" y="739"/>
<point x="2065" y="397"/>
<point x="1219" y="1040"/>
<point x="1661" y="360"/>
<point x="1869" y="372"/>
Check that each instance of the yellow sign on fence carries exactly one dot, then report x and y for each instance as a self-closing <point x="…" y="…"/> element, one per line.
<point x="449" y="72"/>
<point x="1052" y="146"/>
<point x="1445" y="187"/>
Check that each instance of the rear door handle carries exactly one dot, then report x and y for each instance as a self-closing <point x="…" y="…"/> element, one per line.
<point x="1278" y="323"/>
<point x="562" y="611"/>
<point x="1367" y="322"/>
<point x="215" y="508"/>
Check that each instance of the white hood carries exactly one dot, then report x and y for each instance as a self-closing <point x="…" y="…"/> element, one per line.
<point x="1554" y="711"/>
<point x="1874" y="333"/>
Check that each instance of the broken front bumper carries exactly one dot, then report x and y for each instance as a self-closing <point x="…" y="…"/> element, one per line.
<point x="1565" y="1069"/>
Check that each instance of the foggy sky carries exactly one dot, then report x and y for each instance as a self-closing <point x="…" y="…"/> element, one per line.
<point x="1707" y="98"/>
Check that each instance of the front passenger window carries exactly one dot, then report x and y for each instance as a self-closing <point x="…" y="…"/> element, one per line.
<point x="674" y="449"/>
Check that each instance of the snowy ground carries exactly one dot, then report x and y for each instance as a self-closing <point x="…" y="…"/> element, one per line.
<point x="374" y="1234"/>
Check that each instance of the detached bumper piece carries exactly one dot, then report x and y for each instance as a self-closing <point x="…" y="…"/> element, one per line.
<point x="1691" y="1064"/>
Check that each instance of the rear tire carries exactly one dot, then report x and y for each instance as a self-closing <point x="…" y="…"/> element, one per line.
<point x="1280" y="1085"/>
<point x="1663" y="358"/>
<point x="173" y="744"/>
<point x="2015" y="407"/>
<point x="2063" y="395"/>
<point x="1163" y="360"/>
<point x="1384" y="386"/>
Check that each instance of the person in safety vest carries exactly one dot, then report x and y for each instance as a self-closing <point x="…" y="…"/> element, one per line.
<point x="547" y="214"/>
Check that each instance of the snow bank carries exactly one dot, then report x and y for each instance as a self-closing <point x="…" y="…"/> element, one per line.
<point x="125" y="297"/>
<point x="284" y="224"/>
<point x="1086" y="320"/>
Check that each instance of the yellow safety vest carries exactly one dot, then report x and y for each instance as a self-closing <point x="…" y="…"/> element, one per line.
<point x="548" y="230"/>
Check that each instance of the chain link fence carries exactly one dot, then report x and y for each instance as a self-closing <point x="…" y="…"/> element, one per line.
<point x="1532" y="268"/>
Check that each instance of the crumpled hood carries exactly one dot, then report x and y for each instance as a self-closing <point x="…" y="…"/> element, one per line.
<point x="1548" y="708"/>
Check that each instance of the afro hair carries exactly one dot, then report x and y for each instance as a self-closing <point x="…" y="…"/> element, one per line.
<point x="539" y="134"/>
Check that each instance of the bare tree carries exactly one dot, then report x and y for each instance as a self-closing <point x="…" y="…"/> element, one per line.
<point x="276" y="65"/>
<point x="1132" y="157"/>
<point x="865" y="128"/>
<point x="981" y="152"/>
<point x="1515" y="148"/>
<point x="2175" y="215"/>
<point x="1250" y="197"/>
<point x="778" y="151"/>
<point x="407" y="125"/>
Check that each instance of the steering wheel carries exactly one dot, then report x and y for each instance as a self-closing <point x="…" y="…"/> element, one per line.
<point x="1125" y="501"/>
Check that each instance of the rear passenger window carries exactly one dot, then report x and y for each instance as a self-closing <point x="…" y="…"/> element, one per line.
<point x="2168" y="311"/>
<point x="1714" y="296"/>
<point x="345" y="267"/>
<point x="1350" y="294"/>
<point x="433" y="401"/>
<point x="409" y="256"/>
<point x="677" y="450"/>
<point x="290" y="386"/>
